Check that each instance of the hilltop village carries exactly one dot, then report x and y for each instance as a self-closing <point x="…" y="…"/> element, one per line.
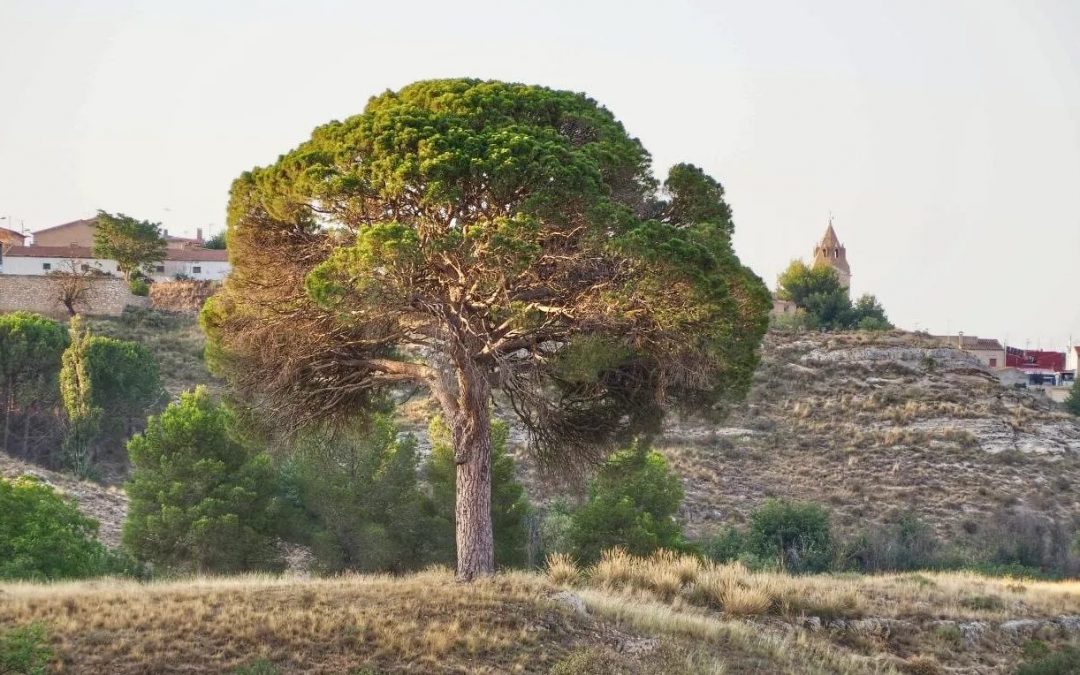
<point x="1051" y="373"/>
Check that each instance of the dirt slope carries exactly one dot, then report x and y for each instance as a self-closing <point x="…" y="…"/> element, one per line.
<point x="873" y="425"/>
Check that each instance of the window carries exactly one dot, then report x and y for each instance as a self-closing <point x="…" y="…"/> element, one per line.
<point x="46" y="266"/>
<point x="196" y="270"/>
<point x="993" y="363"/>
<point x="160" y="269"/>
<point x="85" y="267"/>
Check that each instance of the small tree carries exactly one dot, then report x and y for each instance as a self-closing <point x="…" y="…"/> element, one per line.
<point x="43" y="536"/>
<point x="30" y="353"/>
<point x="796" y="535"/>
<point x="124" y="381"/>
<point x="133" y="244"/>
<point x="1072" y="402"/>
<point x="72" y="283"/>
<point x="199" y="500"/>
<point x="469" y="237"/>
<point x="76" y="393"/>
<point x="361" y="493"/>
<point x="632" y="504"/>
<point x="509" y="506"/>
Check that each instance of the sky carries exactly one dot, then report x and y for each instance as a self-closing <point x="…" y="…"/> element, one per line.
<point x="942" y="135"/>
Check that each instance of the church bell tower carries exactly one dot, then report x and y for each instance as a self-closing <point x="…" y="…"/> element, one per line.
<point x="832" y="253"/>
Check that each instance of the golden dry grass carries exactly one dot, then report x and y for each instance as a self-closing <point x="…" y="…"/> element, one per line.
<point x="425" y="623"/>
<point x="735" y="590"/>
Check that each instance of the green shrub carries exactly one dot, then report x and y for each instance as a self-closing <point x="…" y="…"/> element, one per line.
<point x="1072" y="402"/>
<point x="43" y="536"/>
<point x="199" y="499"/>
<point x="796" y="535"/>
<point x="30" y="351"/>
<point x="509" y="506"/>
<point x="25" y="650"/>
<point x="1062" y="662"/>
<point x="125" y="385"/>
<point x="360" y="492"/>
<point x="632" y="504"/>
<point x="139" y="286"/>
<point x="726" y="546"/>
<point x="908" y="544"/>
<point x="555" y="529"/>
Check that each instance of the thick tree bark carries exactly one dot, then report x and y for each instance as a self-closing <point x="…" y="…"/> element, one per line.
<point x="471" y="431"/>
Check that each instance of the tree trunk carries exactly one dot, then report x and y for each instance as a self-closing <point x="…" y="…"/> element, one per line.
<point x="471" y="431"/>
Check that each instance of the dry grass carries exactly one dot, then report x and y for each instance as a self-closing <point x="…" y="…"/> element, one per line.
<point x="736" y="591"/>
<point x="422" y="623"/>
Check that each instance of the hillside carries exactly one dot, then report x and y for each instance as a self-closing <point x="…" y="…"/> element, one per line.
<point x="872" y="425"/>
<point x="625" y="616"/>
<point x="876" y="424"/>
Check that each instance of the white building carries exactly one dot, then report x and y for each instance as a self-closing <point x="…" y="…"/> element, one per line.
<point x="194" y="263"/>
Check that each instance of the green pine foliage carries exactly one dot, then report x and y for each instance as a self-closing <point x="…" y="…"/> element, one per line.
<point x="817" y="291"/>
<point x="199" y="499"/>
<point x="43" y="536"/>
<point x="364" y="509"/>
<point x="30" y="351"/>
<point x="796" y="535"/>
<point x="1072" y="402"/>
<point x="125" y="382"/>
<point x="76" y="393"/>
<point x="509" y="505"/>
<point x="632" y="504"/>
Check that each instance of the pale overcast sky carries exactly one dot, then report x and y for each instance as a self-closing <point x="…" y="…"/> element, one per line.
<point x="943" y="135"/>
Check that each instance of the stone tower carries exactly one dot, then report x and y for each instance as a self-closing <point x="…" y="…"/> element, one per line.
<point x="831" y="252"/>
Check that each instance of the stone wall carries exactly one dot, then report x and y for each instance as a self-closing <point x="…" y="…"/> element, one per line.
<point x="180" y="296"/>
<point x="107" y="296"/>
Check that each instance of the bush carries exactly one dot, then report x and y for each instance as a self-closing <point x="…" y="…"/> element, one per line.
<point x="125" y="385"/>
<point x="727" y="546"/>
<point x="632" y="504"/>
<point x="908" y="544"/>
<point x="360" y="491"/>
<point x="1027" y="539"/>
<point x="796" y="535"/>
<point x="1072" y="402"/>
<point x="25" y="650"/>
<point x="509" y="506"/>
<point x="1062" y="662"/>
<point x="43" y="536"/>
<point x="30" y="351"/>
<point x="199" y="499"/>
<point x="139" y="286"/>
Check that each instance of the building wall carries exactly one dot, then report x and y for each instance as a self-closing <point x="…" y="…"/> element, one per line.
<point x="36" y="266"/>
<point x="181" y="296"/>
<point x="208" y="270"/>
<point x="78" y="234"/>
<point x="991" y="358"/>
<point x="1071" y="360"/>
<point x="35" y="293"/>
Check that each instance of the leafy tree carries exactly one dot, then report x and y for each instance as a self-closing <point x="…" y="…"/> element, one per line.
<point x="632" y="504"/>
<point x="509" y="506"/>
<point x="1072" y="402"/>
<point x="133" y="244"/>
<point x="125" y="382"/>
<point x="44" y="536"/>
<point x="199" y="499"/>
<point x="76" y="393"/>
<point x="30" y="350"/>
<point x="466" y="237"/>
<point x="361" y="493"/>
<point x="817" y="290"/>
<point x="868" y="314"/>
<point x="216" y="242"/>
<point x="795" y="534"/>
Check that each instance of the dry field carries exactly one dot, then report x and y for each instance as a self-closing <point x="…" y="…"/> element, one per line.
<point x="666" y="614"/>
